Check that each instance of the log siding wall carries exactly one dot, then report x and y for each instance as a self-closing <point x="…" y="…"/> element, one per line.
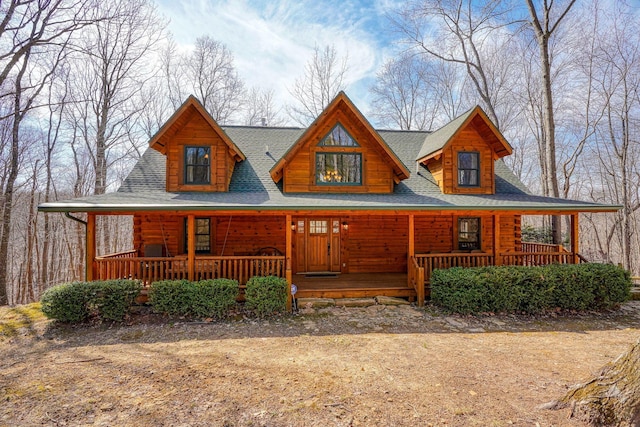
<point x="194" y="133"/>
<point x="377" y="244"/>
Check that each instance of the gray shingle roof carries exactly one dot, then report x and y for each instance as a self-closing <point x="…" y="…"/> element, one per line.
<point x="252" y="188"/>
<point x="437" y="140"/>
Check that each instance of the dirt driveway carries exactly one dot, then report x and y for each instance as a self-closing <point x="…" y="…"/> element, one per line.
<point x="374" y="366"/>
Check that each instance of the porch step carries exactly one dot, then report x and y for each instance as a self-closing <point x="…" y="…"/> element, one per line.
<point x="355" y="302"/>
<point x="349" y="302"/>
<point x="340" y="293"/>
<point x="635" y="293"/>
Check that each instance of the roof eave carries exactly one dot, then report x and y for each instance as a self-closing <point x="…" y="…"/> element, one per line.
<point x="128" y="208"/>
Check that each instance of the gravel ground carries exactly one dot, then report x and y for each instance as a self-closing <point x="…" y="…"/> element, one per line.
<point x="378" y="365"/>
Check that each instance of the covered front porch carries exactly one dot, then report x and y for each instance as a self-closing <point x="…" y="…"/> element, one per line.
<point x="412" y="284"/>
<point x="338" y="255"/>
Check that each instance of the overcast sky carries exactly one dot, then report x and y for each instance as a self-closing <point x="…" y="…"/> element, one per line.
<point x="273" y="39"/>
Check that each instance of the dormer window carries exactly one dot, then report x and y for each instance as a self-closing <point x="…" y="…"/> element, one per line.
<point x="197" y="169"/>
<point x="341" y="163"/>
<point x="468" y="169"/>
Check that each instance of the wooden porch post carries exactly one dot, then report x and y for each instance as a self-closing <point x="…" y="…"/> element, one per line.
<point x="191" y="246"/>
<point x="412" y="237"/>
<point x="91" y="247"/>
<point x="419" y="277"/>
<point x="411" y="250"/>
<point x="288" y="271"/>
<point x="575" y="237"/>
<point x="497" y="259"/>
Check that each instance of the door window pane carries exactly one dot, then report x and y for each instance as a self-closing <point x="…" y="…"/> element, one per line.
<point x="317" y="227"/>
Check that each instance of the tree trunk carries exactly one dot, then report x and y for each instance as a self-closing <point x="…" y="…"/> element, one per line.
<point x="11" y="180"/>
<point x="543" y="31"/>
<point x="612" y="397"/>
<point x="29" y="277"/>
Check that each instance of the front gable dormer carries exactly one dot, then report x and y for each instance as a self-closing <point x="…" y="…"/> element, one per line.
<point x="461" y="155"/>
<point x="200" y="156"/>
<point x="339" y="153"/>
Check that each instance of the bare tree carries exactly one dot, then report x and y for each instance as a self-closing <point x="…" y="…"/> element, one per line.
<point x="461" y="32"/>
<point x="156" y="110"/>
<point x="215" y="79"/>
<point x="57" y="101"/>
<point x="322" y="81"/>
<point x="34" y="36"/>
<point x="173" y="74"/>
<point x="209" y="73"/>
<point x="30" y="24"/>
<point x="617" y="143"/>
<point x="403" y="94"/>
<point x="108" y="76"/>
<point x="544" y="26"/>
<point x="261" y="109"/>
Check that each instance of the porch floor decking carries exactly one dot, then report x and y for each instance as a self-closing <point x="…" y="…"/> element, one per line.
<point x="353" y="285"/>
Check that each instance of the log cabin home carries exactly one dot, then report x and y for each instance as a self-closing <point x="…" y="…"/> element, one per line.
<point x="339" y="209"/>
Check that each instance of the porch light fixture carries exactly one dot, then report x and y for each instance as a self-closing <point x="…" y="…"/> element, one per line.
<point x="293" y="226"/>
<point x="345" y="226"/>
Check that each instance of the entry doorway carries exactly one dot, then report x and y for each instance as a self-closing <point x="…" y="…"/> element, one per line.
<point x="317" y="245"/>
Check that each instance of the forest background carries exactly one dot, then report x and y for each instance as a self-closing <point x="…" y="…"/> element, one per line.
<point x="84" y="84"/>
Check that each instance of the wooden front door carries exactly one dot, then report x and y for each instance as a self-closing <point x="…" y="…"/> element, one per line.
<point x="318" y="245"/>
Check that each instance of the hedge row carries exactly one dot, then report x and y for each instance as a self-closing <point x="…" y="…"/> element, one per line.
<point x="214" y="298"/>
<point x="203" y="299"/>
<point x="516" y="289"/>
<point x="78" y="301"/>
<point x="111" y="300"/>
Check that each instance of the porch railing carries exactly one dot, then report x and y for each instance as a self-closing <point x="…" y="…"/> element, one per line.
<point x="431" y="262"/>
<point x="152" y="269"/>
<point x="126" y="254"/>
<point x="543" y="255"/>
<point x="240" y="268"/>
<point x="536" y="258"/>
<point x="416" y="280"/>
<point x="542" y="247"/>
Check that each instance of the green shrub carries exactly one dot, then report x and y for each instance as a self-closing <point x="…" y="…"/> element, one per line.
<point x="266" y="295"/>
<point x="517" y="289"/>
<point x="78" y="301"/>
<point x="206" y="298"/>
<point x="112" y="299"/>
<point x="66" y="303"/>
<point x="171" y="297"/>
